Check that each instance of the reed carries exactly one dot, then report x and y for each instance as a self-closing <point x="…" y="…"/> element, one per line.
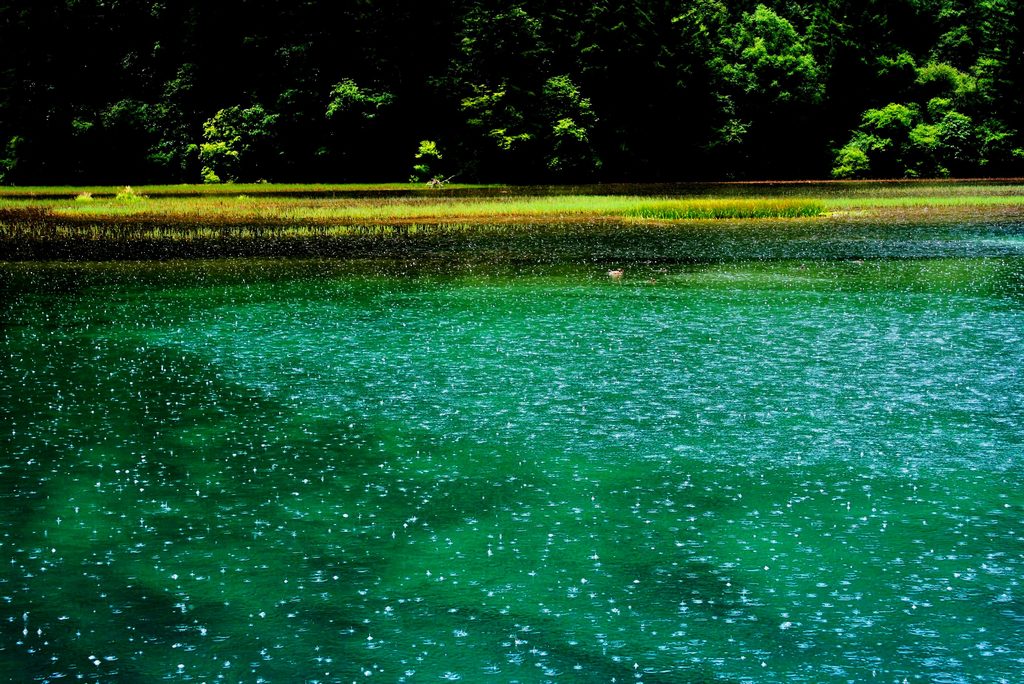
<point x="404" y="210"/>
<point x="676" y="210"/>
<point x="120" y="217"/>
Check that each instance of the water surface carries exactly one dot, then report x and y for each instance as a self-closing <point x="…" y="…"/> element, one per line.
<point x="798" y="469"/>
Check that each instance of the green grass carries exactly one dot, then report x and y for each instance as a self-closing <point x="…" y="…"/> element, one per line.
<point x="676" y="210"/>
<point x="951" y="200"/>
<point x="291" y="211"/>
<point x="250" y="213"/>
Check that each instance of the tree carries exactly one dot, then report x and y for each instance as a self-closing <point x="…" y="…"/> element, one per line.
<point x="236" y="144"/>
<point x="517" y="90"/>
<point x="775" y="88"/>
<point x="426" y="163"/>
<point x="901" y="140"/>
<point x="569" y="154"/>
<point x="879" y="146"/>
<point x="9" y="162"/>
<point x="500" y="73"/>
<point x="359" y="128"/>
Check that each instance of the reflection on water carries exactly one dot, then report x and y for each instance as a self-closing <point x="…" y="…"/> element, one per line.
<point x="330" y="471"/>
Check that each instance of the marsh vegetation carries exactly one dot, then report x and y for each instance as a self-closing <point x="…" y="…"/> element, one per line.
<point x="392" y="219"/>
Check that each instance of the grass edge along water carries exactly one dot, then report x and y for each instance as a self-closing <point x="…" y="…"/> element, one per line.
<point x="334" y="220"/>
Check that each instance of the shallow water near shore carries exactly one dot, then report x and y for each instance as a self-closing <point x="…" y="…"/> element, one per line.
<point x="794" y="469"/>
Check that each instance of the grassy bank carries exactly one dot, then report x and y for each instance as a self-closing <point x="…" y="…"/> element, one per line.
<point x="290" y="211"/>
<point x="268" y="219"/>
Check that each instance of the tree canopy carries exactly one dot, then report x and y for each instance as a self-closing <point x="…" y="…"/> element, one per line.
<point x="135" y="91"/>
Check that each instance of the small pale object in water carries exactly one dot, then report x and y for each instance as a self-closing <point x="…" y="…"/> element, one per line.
<point x="615" y="273"/>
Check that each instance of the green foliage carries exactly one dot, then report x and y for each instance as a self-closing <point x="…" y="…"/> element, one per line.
<point x="501" y="41"/>
<point x="489" y="112"/>
<point x="900" y="70"/>
<point x="426" y="159"/>
<point x="208" y="175"/>
<point x="893" y="120"/>
<point x="772" y="61"/>
<point x="569" y="152"/>
<point x="9" y="161"/>
<point x="499" y="75"/>
<point x="350" y="101"/>
<point x="879" y="145"/>
<point x="81" y="127"/>
<point x="233" y="141"/>
<point x="899" y="140"/>
<point x="173" y="151"/>
<point x="772" y="82"/>
<point x="358" y="128"/>
<point x="998" y="155"/>
<point x="125" y="114"/>
<point x="702" y="23"/>
<point x="938" y="79"/>
<point x="957" y="149"/>
<point x="520" y="90"/>
<point x="428" y="150"/>
<point x="852" y="159"/>
<point x="126" y="194"/>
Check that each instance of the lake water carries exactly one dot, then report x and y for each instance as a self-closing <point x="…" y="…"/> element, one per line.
<point x="796" y="469"/>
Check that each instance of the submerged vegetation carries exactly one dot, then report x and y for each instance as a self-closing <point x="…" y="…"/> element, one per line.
<point x="762" y="471"/>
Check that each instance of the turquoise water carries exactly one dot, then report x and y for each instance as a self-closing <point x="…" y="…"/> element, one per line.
<point x="285" y="471"/>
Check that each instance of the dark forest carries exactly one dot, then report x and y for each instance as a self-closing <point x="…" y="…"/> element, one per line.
<point x="130" y="91"/>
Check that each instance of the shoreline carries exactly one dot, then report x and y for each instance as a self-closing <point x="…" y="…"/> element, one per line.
<point x="492" y="225"/>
